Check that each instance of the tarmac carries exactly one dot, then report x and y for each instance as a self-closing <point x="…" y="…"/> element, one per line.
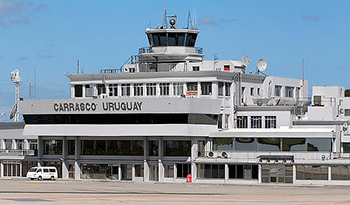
<point x="23" y="191"/>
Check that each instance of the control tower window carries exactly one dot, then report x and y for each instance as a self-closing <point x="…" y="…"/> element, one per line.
<point x="191" y="39"/>
<point x="78" y="90"/>
<point x="180" y="39"/>
<point x="162" y="39"/>
<point x="172" y="39"/>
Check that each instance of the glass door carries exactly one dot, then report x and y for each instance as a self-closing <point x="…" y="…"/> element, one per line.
<point x="126" y="171"/>
<point x="153" y="172"/>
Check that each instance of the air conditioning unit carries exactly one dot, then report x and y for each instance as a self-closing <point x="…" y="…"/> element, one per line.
<point x="224" y="155"/>
<point x="211" y="154"/>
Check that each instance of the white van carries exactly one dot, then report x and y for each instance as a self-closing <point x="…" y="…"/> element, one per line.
<point x="41" y="173"/>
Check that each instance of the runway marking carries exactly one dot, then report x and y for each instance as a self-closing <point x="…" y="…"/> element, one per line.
<point x="36" y="185"/>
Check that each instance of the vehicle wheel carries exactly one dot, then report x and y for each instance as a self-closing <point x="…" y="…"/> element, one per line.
<point x="40" y="178"/>
<point x="52" y="178"/>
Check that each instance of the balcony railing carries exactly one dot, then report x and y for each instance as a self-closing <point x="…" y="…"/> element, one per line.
<point x="142" y="50"/>
<point x="18" y="152"/>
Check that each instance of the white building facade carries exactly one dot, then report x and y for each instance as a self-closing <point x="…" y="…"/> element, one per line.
<point x="168" y="114"/>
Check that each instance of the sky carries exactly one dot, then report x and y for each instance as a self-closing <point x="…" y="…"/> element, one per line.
<point x="44" y="39"/>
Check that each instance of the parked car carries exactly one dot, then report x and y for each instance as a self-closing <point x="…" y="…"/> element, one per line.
<point x="41" y="173"/>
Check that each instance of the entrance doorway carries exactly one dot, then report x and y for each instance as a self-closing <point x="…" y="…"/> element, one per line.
<point x="276" y="173"/>
<point x="12" y="169"/>
<point x="153" y="172"/>
<point x="126" y="171"/>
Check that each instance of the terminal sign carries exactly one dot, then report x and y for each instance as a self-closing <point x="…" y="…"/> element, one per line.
<point x="106" y="106"/>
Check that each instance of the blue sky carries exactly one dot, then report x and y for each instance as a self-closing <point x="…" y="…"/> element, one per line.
<point x="51" y="35"/>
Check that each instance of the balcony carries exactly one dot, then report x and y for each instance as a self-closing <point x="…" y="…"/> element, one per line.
<point x="18" y="152"/>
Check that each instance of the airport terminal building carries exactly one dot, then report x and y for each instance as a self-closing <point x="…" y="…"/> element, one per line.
<point x="169" y="113"/>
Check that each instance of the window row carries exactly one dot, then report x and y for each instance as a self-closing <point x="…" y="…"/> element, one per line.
<point x="256" y="122"/>
<point x="152" y="89"/>
<point x="272" y="144"/>
<point x="235" y="171"/>
<point x="18" y="144"/>
<point x="288" y="91"/>
<point x="119" y="147"/>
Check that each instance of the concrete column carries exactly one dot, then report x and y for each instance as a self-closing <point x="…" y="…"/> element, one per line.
<point x="65" y="172"/>
<point x="329" y="173"/>
<point x="263" y="122"/>
<point x="72" y="91"/>
<point x="119" y="172"/>
<point x="133" y="172"/>
<point x="14" y="144"/>
<point x="226" y="173"/>
<point x="64" y="148"/>
<point x="145" y="160"/>
<point x="77" y="170"/>
<point x="1" y="169"/>
<point x="83" y="91"/>
<point x="249" y="118"/>
<point x="294" y="174"/>
<point x="160" y="161"/>
<point x="194" y="155"/>
<point x="2" y="144"/>
<point x="26" y="144"/>
<point x="259" y="174"/>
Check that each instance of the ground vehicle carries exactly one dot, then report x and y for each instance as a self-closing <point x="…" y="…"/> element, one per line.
<point x="41" y="173"/>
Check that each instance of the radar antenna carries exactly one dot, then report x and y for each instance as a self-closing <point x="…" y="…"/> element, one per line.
<point x="14" y="113"/>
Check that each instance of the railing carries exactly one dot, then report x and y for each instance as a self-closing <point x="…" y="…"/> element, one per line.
<point x="142" y="50"/>
<point x="112" y="70"/>
<point x="18" y="152"/>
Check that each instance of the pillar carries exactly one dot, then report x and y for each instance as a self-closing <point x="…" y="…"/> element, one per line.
<point x="77" y="170"/>
<point x="145" y="160"/>
<point x="194" y="155"/>
<point x="259" y="174"/>
<point x="160" y="161"/>
<point x="65" y="172"/>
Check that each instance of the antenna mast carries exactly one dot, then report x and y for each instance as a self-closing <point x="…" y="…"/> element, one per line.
<point x="165" y="23"/>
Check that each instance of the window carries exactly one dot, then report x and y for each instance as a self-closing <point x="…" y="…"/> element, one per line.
<point x="220" y="121"/>
<point x="138" y="89"/>
<point x="138" y="170"/>
<point x="52" y="147"/>
<point x="317" y="100"/>
<point x="346" y="147"/>
<point x="78" y="89"/>
<point x="240" y="171"/>
<point x="319" y="144"/>
<point x="226" y="121"/>
<point x="269" y="144"/>
<point x="153" y="148"/>
<point x="195" y="68"/>
<point x="101" y="89"/>
<point x="183" y="170"/>
<point x="255" y="122"/>
<point x="125" y="89"/>
<point x="113" y="89"/>
<point x="242" y="122"/>
<point x="293" y="144"/>
<point x="178" y="89"/>
<point x="222" y="144"/>
<point x="46" y="170"/>
<point x="308" y="172"/>
<point x="20" y="144"/>
<point x="245" y="144"/>
<point x="206" y="88"/>
<point x="112" y="147"/>
<point x="71" y="147"/>
<point x="341" y="172"/>
<point x="227" y="89"/>
<point x="289" y="91"/>
<point x="169" y="171"/>
<point x="164" y="88"/>
<point x="192" y="89"/>
<point x="252" y="91"/>
<point x="210" y="171"/>
<point x="278" y="90"/>
<point x="220" y="88"/>
<point x="347" y="112"/>
<point x="177" y="148"/>
<point x="89" y="90"/>
<point x="226" y="67"/>
<point x="270" y="122"/>
<point x="258" y="91"/>
<point x="151" y="89"/>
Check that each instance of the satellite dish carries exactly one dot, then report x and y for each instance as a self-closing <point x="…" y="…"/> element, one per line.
<point x="15" y="76"/>
<point x="262" y="65"/>
<point x="13" y="111"/>
<point x="245" y="61"/>
<point x="272" y="102"/>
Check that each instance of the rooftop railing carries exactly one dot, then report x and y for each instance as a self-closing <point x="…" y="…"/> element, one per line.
<point x="18" y="152"/>
<point x="142" y="50"/>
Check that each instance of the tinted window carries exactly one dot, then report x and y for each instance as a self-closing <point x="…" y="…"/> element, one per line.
<point x="46" y="170"/>
<point x="52" y="170"/>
